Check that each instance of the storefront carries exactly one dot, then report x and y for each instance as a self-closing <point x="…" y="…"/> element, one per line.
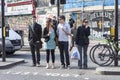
<point x="100" y="14"/>
<point x="19" y="14"/>
<point x="45" y="12"/>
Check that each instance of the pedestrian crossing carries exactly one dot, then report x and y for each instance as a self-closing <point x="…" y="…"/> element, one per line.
<point x="50" y="74"/>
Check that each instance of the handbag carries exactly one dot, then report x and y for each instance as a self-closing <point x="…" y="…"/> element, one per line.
<point x="47" y="39"/>
<point x="75" y="54"/>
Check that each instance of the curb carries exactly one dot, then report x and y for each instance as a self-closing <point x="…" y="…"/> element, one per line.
<point x="10" y="63"/>
<point x="108" y="70"/>
<point x="28" y="49"/>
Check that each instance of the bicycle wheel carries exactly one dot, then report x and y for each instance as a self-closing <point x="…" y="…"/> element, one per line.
<point x="102" y="55"/>
<point x="91" y="52"/>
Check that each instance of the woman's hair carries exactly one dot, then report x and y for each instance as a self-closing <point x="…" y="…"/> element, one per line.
<point x="48" y="22"/>
<point x="85" y="20"/>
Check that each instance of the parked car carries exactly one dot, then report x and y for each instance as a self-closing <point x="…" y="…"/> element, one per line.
<point x="13" y="42"/>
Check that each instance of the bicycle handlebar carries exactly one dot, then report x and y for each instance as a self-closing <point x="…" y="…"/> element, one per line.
<point x="108" y="37"/>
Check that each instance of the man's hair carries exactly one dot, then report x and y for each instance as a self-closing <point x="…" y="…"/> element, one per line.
<point x="34" y="16"/>
<point x="54" y="17"/>
<point x="62" y="17"/>
<point x="70" y="14"/>
<point x="85" y="20"/>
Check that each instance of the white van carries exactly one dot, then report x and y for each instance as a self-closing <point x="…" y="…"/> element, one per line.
<point x="12" y="43"/>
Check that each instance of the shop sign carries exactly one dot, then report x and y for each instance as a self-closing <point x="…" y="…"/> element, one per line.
<point x="97" y="19"/>
<point x="101" y="22"/>
<point x="100" y="14"/>
<point x="19" y="10"/>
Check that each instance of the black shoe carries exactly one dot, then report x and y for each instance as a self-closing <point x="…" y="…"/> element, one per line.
<point x="62" y="67"/>
<point x="38" y="65"/>
<point x="38" y="62"/>
<point x="68" y="67"/>
<point x="85" y="67"/>
<point x="80" y="67"/>
<point x="33" y="65"/>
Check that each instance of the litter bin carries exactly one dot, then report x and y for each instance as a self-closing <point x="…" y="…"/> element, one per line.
<point x="21" y="33"/>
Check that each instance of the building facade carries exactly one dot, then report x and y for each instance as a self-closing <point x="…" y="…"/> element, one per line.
<point x="100" y="14"/>
<point x="19" y="14"/>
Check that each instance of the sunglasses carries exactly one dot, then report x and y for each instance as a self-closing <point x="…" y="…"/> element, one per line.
<point x="60" y="19"/>
<point x="86" y="21"/>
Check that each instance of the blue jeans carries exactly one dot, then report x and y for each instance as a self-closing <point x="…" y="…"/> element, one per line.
<point x="63" y="47"/>
<point x="83" y="55"/>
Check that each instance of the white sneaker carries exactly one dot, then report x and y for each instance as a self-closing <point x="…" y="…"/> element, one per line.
<point x="47" y="66"/>
<point x="38" y="65"/>
<point x="68" y="67"/>
<point x="53" y="65"/>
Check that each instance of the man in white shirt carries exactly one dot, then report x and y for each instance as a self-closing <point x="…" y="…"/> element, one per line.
<point x="63" y="31"/>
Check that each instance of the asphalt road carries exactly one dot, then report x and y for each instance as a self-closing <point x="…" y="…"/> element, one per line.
<point x="26" y="72"/>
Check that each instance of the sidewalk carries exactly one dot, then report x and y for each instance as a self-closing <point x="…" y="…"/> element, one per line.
<point x="10" y="62"/>
<point x="109" y="70"/>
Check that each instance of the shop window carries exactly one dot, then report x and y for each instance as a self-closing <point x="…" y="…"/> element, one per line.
<point x="10" y="1"/>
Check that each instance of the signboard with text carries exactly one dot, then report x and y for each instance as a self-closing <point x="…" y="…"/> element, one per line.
<point x="18" y="10"/>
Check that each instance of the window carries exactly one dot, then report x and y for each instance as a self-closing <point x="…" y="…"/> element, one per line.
<point x="15" y="1"/>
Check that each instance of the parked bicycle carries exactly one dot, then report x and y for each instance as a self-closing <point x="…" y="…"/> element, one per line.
<point x="104" y="54"/>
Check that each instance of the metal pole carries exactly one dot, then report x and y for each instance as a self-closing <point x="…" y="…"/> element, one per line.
<point x="103" y="18"/>
<point x="58" y="8"/>
<point x="3" y="37"/>
<point x="116" y="30"/>
<point x="82" y="8"/>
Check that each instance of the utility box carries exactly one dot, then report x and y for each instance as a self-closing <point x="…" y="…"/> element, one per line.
<point x="112" y="32"/>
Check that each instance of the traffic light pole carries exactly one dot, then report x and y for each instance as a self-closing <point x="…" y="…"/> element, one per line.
<point x="3" y="27"/>
<point x="116" y="31"/>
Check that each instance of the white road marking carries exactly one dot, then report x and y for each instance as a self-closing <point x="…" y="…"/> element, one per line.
<point x="17" y="73"/>
<point x="62" y="75"/>
<point x="8" y="72"/>
<point x="76" y="75"/>
<point x="47" y="74"/>
<point x="86" y="78"/>
<point x="35" y="73"/>
<point x="52" y="74"/>
<point x="25" y="73"/>
<point x="65" y="75"/>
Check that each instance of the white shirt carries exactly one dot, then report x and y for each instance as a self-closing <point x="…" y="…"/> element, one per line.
<point x="62" y="36"/>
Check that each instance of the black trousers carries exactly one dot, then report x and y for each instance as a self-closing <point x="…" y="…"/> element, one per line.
<point x="63" y="47"/>
<point x="35" y="50"/>
<point x="48" y="51"/>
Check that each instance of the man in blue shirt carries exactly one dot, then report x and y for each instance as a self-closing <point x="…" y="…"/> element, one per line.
<point x="63" y="31"/>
